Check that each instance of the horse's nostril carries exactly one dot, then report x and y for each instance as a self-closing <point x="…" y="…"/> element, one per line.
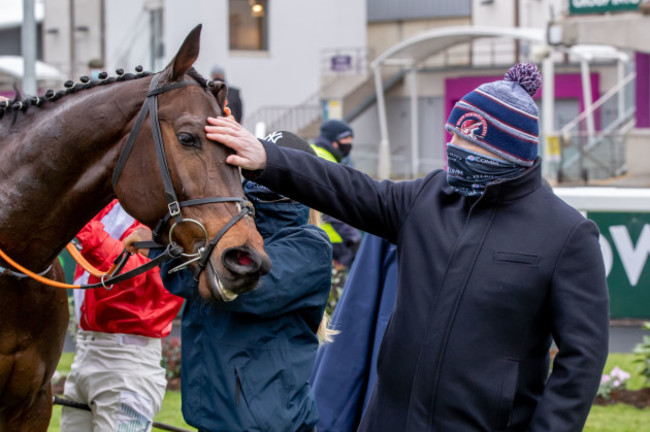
<point x="244" y="259"/>
<point x="241" y="261"/>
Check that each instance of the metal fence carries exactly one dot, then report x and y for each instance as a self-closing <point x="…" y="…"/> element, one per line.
<point x="592" y="146"/>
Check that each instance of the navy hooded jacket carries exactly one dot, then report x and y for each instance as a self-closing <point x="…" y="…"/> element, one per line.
<point x="245" y="364"/>
<point x="484" y="286"/>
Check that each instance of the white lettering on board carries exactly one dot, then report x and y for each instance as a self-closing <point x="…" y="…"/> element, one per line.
<point x="590" y="3"/>
<point x="633" y="257"/>
<point x="608" y="255"/>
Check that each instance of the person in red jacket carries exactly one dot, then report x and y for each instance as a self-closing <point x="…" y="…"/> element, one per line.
<point x="116" y="368"/>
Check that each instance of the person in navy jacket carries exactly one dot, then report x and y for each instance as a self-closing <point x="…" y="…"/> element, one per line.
<point x="492" y="267"/>
<point x="245" y="364"/>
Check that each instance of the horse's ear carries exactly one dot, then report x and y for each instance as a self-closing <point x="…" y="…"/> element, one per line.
<point x="185" y="57"/>
<point x="220" y="91"/>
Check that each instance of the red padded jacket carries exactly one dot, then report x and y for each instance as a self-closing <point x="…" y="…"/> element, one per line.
<point x="140" y="305"/>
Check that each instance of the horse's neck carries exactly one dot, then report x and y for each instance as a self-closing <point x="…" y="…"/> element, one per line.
<point x="55" y="171"/>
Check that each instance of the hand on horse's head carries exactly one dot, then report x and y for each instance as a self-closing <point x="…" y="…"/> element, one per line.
<point x="249" y="152"/>
<point x="141" y="233"/>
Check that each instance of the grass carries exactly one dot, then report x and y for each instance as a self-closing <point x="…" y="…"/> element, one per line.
<point x="170" y="413"/>
<point x="620" y="417"/>
<point x="613" y="418"/>
<point x="617" y="418"/>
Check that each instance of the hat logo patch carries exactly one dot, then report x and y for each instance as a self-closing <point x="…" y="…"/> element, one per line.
<point x="274" y="137"/>
<point x="472" y="124"/>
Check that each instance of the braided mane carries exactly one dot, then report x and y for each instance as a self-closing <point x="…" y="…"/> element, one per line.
<point x="22" y="104"/>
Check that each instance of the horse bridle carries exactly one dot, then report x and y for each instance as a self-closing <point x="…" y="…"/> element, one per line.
<point x="150" y="106"/>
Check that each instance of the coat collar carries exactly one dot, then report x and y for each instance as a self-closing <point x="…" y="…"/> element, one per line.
<point x="525" y="183"/>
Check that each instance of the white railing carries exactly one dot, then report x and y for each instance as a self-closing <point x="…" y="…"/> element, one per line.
<point x="593" y="144"/>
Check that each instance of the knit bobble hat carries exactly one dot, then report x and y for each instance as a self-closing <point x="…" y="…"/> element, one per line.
<point x="335" y="130"/>
<point x="501" y="116"/>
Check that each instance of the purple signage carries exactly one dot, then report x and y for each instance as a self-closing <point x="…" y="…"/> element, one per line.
<point x="341" y="63"/>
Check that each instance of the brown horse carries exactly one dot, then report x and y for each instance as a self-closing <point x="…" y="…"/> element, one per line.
<point x="64" y="158"/>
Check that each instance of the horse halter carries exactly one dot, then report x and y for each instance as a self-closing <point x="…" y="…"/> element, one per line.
<point x="150" y="106"/>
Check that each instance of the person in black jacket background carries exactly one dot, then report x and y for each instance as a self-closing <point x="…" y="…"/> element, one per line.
<point x="492" y="267"/>
<point x="234" y="95"/>
<point x="334" y="143"/>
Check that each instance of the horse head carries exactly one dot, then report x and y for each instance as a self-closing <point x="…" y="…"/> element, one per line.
<point x="185" y="187"/>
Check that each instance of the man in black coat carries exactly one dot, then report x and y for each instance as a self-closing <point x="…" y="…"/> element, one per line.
<point x="234" y="99"/>
<point x="492" y="267"/>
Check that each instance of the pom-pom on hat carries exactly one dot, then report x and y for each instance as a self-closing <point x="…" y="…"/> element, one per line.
<point x="501" y="116"/>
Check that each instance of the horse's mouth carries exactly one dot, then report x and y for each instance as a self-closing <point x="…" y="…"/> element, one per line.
<point x="242" y="270"/>
<point x="217" y="291"/>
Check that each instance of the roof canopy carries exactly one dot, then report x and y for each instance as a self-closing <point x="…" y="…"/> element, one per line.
<point x="427" y="44"/>
<point x="14" y="66"/>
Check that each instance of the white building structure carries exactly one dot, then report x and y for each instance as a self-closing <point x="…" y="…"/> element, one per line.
<point x="298" y="62"/>
<point x="284" y="70"/>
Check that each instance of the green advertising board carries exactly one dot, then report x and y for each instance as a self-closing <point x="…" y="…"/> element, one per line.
<point x="602" y="6"/>
<point x="625" y="244"/>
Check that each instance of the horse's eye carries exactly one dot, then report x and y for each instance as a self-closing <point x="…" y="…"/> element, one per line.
<point x="188" y="140"/>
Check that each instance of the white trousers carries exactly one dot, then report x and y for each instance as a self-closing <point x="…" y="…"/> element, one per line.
<point x="119" y="376"/>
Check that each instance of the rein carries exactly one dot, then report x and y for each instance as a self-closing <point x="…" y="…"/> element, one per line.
<point x="76" y="255"/>
<point x="173" y="250"/>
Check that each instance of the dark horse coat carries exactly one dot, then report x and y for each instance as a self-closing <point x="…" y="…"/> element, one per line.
<point x="484" y="285"/>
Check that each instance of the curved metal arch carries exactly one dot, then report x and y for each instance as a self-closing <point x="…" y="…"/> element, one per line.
<point x="429" y="43"/>
<point x="411" y="52"/>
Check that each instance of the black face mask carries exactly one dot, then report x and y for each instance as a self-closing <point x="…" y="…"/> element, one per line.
<point x="345" y="149"/>
<point x="469" y="172"/>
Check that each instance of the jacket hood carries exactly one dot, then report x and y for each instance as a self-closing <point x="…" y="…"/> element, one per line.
<point x="271" y="217"/>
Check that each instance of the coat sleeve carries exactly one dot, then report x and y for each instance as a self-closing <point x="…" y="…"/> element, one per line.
<point x="180" y="283"/>
<point x="300" y="276"/>
<point x="100" y="250"/>
<point x="97" y="247"/>
<point x="377" y="207"/>
<point x="579" y="303"/>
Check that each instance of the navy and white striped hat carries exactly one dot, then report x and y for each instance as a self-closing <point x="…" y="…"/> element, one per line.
<point x="501" y="116"/>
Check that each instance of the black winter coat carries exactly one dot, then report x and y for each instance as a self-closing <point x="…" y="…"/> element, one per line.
<point x="484" y="286"/>
<point x="235" y="103"/>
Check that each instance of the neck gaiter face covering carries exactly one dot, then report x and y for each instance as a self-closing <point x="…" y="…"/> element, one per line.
<point x="469" y="172"/>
